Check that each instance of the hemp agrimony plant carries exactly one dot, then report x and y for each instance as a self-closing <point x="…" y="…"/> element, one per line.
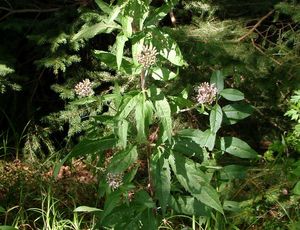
<point x="147" y="169"/>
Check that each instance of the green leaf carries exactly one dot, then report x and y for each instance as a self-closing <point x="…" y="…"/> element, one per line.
<point x="120" y="43"/>
<point x="215" y="118"/>
<point x="128" y="106"/>
<point x="2" y="210"/>
<point x="87" y="146"/>
<point x="127" y="26"/>
<point x="88" y="32"/>
<point x="111" y="61"/>
<point x="231" y="172"/>
<point x="162" y="74"/>
<point x="187" y="147"/>
<point x="167" y="48"/>
<point x="122" y="160"/>
<point x="140" y="116"/>
<point x="217" y="78"/>
<point x="162" y="179"/>
<point x="194" y="180"/>
<point x="236" y="112"/>
<point x="189" y="206"/>
<point x="122" y="130"/>
<point x="160" y="13"/>
<point x="114" y="13"/>
<point x="148" y="220"/>
<point x="163" y="111"/>
<point x="6" y="227"/>
<point x="208" y="139"/>
<point x="232" y="206"/>
<point x="237" y="147"/>
<point x="87" y="209"/>
<point x="195" y="135"/>
<point x="232" y="94"/>
<point x="296" y="189"/>
<point x="104" y="6"/>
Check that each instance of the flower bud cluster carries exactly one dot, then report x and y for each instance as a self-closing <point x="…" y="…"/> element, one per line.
<point x="114" y="180"/>
<point x="84" y="88"/>
<point x="147" y="57"/>
<point x="206" y="93"/>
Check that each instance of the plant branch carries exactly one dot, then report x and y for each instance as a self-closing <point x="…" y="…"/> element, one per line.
<point x="11" y="11"/>
<point x="255" y="26"/>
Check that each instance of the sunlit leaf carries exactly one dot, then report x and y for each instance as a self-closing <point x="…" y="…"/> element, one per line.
<point x="215" y="118"/>
<point x="120" y="43"/>
<point x="87" y="209"/>
<point x="232" y="94"/>
<point x="237" y="147"/>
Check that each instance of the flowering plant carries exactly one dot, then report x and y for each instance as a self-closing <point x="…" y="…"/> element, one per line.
<point x="149" y="167"/>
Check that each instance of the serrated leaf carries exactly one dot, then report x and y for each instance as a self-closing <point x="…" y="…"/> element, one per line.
<point x="87" y="146"/>
<point x="122" y="160"/>
<point x="232" y="94"/>
<point x="217" y="78"/>
<point x="128" y="107"/>
<point x="87" y="209"/>
<point x="237" y="147"/>
<point x="120" y="43"/>
<point x="163" y="111"/>
<point x="162" y="179"/>
<point x="236" y="112"/>
<point x="215" y="118"/>
<point x="194" y="181"/>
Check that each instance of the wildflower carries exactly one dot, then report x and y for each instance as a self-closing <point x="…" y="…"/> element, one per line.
<point x="114" y="180"/>
<point x="84" y="88"/>
<point x="147" y="57"/>
<point x="206" y="93"/>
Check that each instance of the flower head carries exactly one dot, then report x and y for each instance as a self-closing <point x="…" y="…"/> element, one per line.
<point x="147" y="57"/>
<point x="114" y="180"/>
<point x="206" y="93"/>
<point x="84" y="88"/>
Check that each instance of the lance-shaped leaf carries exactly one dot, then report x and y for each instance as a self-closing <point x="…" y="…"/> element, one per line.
<point x="163" y="111"/>
<point x="215" y="118"/>
<point x="194" y="181"/>
<point x="140" y="116"/>
<point x="104" y="6"/>
<point x="163" y="74"/>
<point x="232" y="94"/>
<point x="120" y="43"/>
<point x="122" y="160"/>
<point x="88" y="32"/>
<point x="86" y="209"/>
<point x="237" y="147"/>
<point x="162" y="179"/>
